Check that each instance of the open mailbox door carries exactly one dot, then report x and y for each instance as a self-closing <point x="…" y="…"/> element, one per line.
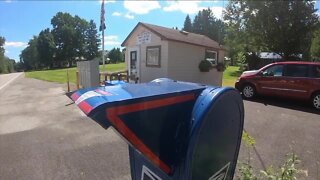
<point x="170" y="126"/>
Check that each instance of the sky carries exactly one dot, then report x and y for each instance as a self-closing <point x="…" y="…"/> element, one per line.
<point x="21" y="20"/>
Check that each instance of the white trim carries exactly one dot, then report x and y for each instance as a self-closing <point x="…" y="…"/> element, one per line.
<point x="138" y="50"/>
<point x="87" y="95"/>
<point x="149" y="173"/>
<point x="216" y="56"/>
<point x="223" y="176"/>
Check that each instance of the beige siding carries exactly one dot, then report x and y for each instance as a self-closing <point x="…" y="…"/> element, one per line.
<point x="221" y="56"/>
<point x="149" y="73"/>
<point x="183" y="64"/>
<point x="179" y="61"/>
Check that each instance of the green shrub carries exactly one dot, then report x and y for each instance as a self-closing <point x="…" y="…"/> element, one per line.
<point x="205" y="66"/>
<point x="287" y="171"/>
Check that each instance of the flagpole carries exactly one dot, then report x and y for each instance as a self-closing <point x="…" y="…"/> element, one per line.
<point x="102" y="27"/>
<point x="103" y="67"/>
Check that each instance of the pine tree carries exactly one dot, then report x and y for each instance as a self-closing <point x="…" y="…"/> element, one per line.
<point x="187" y="24"/>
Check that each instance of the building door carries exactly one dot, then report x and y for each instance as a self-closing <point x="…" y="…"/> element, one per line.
<point x="134" y="66"/>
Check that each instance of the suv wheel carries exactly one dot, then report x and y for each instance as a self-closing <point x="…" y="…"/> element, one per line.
<point x="316" y="101"/>
<point x="248" y="91"/>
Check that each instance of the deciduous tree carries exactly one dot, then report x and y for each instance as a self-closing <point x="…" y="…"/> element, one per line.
<point x="2" y="60"/>
<point x="315" y="47"/>
<point x="92" y="41"/>
<point x="283" y="27"/>
<point x="29" y="56"/>
<point x="46" y="47"/>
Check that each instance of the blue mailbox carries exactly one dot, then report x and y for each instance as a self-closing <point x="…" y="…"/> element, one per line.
<point x="175" y="130"/>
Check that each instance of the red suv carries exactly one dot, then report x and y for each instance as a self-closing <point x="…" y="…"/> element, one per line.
<point x="300" y="80"/>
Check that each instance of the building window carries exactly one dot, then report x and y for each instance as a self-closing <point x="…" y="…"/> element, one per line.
<point x="212" y="56"/>
<point x="153" y="56"/>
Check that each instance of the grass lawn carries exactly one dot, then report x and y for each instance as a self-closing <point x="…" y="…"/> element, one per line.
<point x="230" y="76"/>
<point x="60" y="75"/>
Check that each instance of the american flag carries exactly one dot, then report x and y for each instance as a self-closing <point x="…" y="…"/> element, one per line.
<point x="102" y="24"/>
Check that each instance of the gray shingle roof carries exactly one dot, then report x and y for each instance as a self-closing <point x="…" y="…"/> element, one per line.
<point x="180" y="36"/>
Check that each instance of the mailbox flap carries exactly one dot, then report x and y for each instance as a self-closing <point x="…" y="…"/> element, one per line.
<point x="89" y="99"/>
<point x="154" y="118"/>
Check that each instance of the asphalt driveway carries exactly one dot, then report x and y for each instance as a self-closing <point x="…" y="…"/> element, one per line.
<point x="282" y="126"/>
<point x="44" y="136"/>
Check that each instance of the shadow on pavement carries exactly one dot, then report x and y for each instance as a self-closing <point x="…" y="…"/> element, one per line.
<point x="297" y="105"/>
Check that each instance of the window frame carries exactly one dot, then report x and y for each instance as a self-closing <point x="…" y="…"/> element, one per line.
<point x="131" y="59"/>
<point x="313" y="69"/>
<point x="216" y="56"/>
<point x="307" y="73"/>
<point x="159" y="57"/>
<point x="273" y="66"/>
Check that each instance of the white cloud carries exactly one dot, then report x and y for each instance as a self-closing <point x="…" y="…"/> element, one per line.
<point x="217" y="11"/>
<point x="8" y="1"/>
<point x="15" y="44"/>
<point x="141" y="7"/>
<point x="112" y="43"/>
<point x="111" y="37"/>
<point x="191" y="7"/>
<point x="187" y="7"/>
<point x="111" y="40"/>
<point x="129" y="16"/>
<point x="116" y="14"/>
<point x="6" y="51"/>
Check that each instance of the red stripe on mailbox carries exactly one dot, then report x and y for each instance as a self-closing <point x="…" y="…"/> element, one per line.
<point x="75" y="96"/>
<point x="113" y="114"/>
<point x="85" y="107"/>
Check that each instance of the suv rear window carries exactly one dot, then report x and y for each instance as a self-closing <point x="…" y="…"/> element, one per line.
<point x="296" y="70"/>
<point x="316" y="71"/>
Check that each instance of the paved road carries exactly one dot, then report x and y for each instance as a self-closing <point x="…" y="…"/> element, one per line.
<point x="6" y="79"/>
<point x="43" y="136"/>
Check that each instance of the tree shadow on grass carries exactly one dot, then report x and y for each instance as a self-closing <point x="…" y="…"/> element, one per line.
<point x="235" y="73"/>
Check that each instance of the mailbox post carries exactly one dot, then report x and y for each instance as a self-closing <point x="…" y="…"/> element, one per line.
<point x="175" y="130"/>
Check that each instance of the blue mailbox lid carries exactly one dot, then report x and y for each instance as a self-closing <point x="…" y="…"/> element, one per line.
<point x="153" y="117"/>
<point x="114" y="82"/>
<point x="90" y="98"/>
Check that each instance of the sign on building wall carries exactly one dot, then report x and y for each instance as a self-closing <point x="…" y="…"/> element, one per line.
<point x="144" y="37"/>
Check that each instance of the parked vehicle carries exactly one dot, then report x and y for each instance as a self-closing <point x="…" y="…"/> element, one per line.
<point x="299" y="80"/>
